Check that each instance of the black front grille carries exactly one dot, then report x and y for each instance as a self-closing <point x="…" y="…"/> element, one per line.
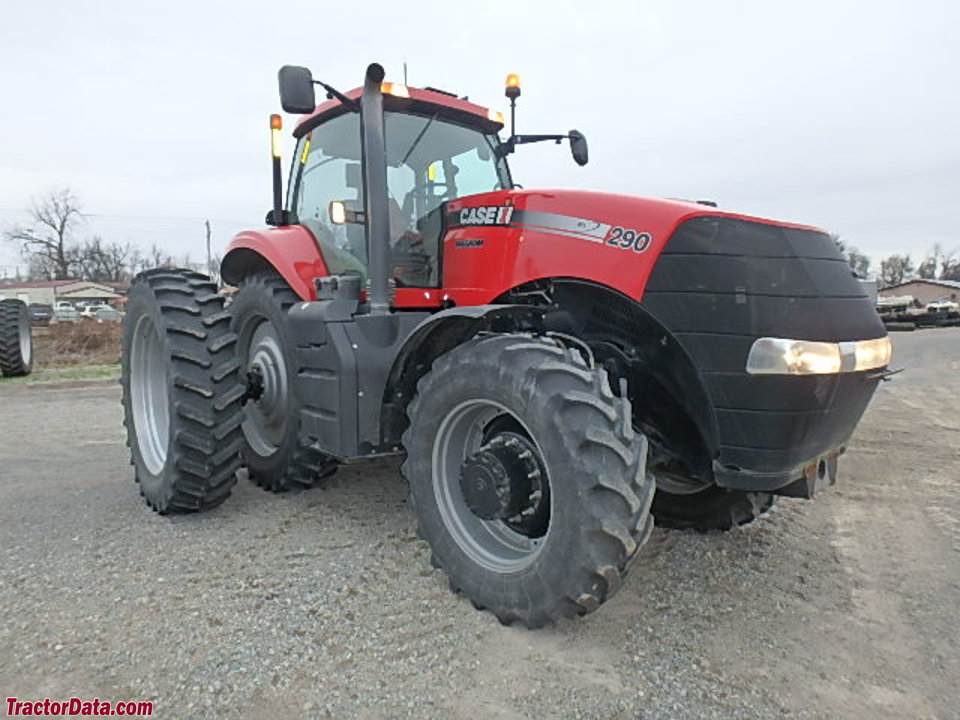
<point x="721" y="283"/>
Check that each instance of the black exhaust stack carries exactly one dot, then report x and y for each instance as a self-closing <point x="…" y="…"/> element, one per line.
<point x="375" y="189"/>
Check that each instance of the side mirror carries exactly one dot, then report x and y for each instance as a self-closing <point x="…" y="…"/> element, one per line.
<point x="578" y="148"/>
<point x="296" y="90"/>
<point x="285" y="217"/>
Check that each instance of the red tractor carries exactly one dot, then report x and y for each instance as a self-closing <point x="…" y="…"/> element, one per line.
<point x="560" y="368"/>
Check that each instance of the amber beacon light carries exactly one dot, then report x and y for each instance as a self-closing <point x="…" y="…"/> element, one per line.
<point x="276" y="147"/>
<point x="513" y="86"/>
<point x="276" y="139"/>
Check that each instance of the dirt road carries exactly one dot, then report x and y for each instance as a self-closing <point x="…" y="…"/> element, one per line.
<point x="324" y="604"/>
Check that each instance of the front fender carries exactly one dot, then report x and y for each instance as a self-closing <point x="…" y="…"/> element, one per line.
<point x="437" y="334"/>
<point x="291" y="251"/>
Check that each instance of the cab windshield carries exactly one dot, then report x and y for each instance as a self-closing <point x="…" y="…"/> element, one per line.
<point x="430" y="160"/>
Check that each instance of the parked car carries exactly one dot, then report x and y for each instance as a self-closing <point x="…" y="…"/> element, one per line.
<point x="105" y="313"/>
<point x="65" y="312"/>
<point x="40" y="314"/>
<point x="944" y="312"/>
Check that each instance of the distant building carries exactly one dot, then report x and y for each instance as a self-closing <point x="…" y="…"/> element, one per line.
<point x="925" y="291"/>
<point x="49" y="292"/>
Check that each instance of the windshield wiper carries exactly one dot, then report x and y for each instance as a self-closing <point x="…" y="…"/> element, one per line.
<point x="418" y="138"/>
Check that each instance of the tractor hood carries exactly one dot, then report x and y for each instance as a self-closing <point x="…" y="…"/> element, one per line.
<point x="714" y="281"/>
<point x="607" y="238"/>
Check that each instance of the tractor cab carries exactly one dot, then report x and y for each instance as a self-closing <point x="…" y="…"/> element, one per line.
<point x="374" y="168"/>
<point x="438" y="148"/>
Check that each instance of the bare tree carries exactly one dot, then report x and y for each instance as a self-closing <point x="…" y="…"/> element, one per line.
<point x="153" y="258"/>
<point x="895" y="270"/>
<point x="927" y="270"/>
<point x="859" y="262"/>
<point x="949" y="265"/>
<point x="951" y="271"/>
<point x="104" y="262"/>
<point x="46" y="242"/>
<point x="940" y="263"/>
<point x="40" y="267"/>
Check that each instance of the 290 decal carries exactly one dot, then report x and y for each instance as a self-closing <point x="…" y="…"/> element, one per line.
<point x="626" y="239"/>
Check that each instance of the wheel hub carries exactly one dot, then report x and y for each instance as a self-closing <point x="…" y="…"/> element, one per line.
<point x="254" y="385"/>
<point x="502" y="480"/>
<point x="267" y="397"/>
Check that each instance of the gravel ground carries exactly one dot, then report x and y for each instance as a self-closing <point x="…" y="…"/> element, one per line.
<point x="323" y="604"/>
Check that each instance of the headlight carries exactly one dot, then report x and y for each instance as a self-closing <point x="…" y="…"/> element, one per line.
<point x="873" y="353"/>
<point x="779" y="356"/>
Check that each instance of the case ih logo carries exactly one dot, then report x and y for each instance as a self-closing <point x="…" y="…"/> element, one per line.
<point x="489" y="215"/>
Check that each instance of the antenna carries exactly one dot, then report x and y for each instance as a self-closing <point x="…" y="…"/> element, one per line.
<point x="405" y="72"/>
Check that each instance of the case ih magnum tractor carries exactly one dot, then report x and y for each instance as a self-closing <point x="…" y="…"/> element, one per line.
<point x="559" y="367"/>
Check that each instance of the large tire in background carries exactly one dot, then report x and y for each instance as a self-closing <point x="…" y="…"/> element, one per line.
<point x="16" y="342"/>
<point x="526" y="477"/>
<point x="272" y="450"/>
<point x="713" y="508"/>
<point x="181" y="391"/>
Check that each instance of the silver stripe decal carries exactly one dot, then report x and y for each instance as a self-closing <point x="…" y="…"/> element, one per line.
<point x="562" y="224"/>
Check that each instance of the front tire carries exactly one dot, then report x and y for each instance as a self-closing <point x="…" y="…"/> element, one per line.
<point x="569" y="504"/>
<point x="16" y="341"/>
<point x="181" y="391"/>
<point x="276" y="458"/>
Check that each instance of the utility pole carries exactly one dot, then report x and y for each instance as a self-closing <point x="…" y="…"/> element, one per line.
<point x="209" y="259"/>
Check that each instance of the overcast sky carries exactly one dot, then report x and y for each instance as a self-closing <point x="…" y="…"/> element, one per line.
<point x="844" y="115"/>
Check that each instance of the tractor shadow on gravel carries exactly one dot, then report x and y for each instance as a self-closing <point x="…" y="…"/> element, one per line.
<point x="363" y="509"/>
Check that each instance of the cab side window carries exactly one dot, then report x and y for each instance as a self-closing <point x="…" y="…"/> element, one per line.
<point x="329" y="169"/>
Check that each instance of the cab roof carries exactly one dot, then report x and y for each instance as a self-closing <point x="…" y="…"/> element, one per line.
<point x="402" y="98"/>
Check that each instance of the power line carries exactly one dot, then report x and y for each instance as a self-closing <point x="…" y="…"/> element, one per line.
<point x="155" y="218"/>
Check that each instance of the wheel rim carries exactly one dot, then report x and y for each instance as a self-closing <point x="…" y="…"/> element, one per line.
<point x="148" y="395"/>
<point x="678" y="484"/>
<point x="493" y="544"/>
<point x="26" y="342"/>
<point x="265" y="426"/>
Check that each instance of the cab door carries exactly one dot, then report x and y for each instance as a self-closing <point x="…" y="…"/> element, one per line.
<point x="327" y="169"/>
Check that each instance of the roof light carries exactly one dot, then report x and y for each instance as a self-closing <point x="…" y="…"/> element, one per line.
<point x="276" y="136"/>
<point x="513" y="85"/>
<point x="395" y="89"/>
<point x="495" y="115"/>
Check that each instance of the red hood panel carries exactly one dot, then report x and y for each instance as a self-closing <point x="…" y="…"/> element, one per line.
<point x="497" y="241"/>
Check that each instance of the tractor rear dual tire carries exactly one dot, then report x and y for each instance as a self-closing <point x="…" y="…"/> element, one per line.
<point x="276" y="457"/>
<point x="181" y="391"/>
<point x="16" y="341"/>
<point x="595" y="465"/>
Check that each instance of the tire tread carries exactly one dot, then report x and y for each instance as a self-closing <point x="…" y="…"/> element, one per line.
<point x="612" y="531"/>
<point x="204" y="450"/>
